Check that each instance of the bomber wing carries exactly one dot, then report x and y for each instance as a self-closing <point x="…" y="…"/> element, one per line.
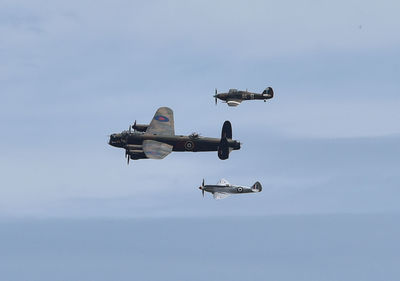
<point x="162" y="122"/>
<point x="155" y="149"/>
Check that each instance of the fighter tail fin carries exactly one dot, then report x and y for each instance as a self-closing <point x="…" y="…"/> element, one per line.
<point x="268" y="92"/>
<point x="257" y="187"/>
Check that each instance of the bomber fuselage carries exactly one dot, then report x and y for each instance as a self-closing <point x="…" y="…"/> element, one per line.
<point x="179" y="142"/>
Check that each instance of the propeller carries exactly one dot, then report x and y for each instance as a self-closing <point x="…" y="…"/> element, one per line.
<point x="127" y="155"/>
<point x="215" y="96"/>
<point x="130" y="129"/>
<point x="134" y="125"/>
<point x="202" y="188"/>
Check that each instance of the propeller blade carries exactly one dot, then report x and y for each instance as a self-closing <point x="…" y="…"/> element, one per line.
<point x="202" y="185"/>
<point x="128" y="160"/>
<point x="202" y="191"/>
<point x="130" y="129"/>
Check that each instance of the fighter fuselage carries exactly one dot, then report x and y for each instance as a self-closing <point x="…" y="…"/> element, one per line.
<point x="234" y="97"/>
<point x="241" y="95"/>
<point x="226" y="189"/>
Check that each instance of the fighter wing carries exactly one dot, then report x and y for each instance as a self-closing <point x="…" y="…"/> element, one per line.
<point x="155" y="149"/>
<point x="162" y="123"/>
<point x="220" y="195"/>
<point x="223" y="182"/>
<point x="233" y="102"/>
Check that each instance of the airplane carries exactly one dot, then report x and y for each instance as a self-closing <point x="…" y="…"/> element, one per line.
<point x="234" y="97"/>
<point x="157" y="139"/>
<point x="224" y="189"/>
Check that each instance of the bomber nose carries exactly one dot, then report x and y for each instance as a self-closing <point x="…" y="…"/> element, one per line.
<point x="113" y="140"/>
<point x="110" y="140"/>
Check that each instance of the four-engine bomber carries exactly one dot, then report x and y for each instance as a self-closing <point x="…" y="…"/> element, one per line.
<point x="158" y="139"/>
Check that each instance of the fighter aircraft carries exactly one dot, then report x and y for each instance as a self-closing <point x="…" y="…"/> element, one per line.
<point x="235" y="97"/>
<point x="224" y="189"/>
<point x="157" y="139"/>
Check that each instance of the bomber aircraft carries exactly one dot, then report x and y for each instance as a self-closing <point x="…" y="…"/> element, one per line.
<point x="234" y="97"/>
<point x="157" y="139"/>
<point x="224" y="189"/>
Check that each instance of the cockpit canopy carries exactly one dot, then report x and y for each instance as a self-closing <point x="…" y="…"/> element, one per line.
<point x="232" y="90"/>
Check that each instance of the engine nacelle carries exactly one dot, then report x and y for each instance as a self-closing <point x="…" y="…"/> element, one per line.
<point x="136" y="154"/>
<point x="133" y="147"/>
<point x="140" y="127"/>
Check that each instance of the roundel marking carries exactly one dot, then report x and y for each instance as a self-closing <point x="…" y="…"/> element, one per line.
<point x="240" y="189"/>
<point x="189" y="145"/>
<point x="161" y="118"/>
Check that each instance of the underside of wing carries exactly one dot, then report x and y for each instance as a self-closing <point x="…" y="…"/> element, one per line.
<point x="220" y="195"/>
<point x="155" y="149"/>
<point x="223" y="182"/>
<point x="234" y="102"/>
<point x="162" y="122"/>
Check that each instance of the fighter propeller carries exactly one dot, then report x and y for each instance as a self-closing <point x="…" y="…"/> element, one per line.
<point x="215" y="96"/>
<point x="202" y="187"/>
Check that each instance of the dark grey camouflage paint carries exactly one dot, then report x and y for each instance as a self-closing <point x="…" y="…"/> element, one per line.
<point x="234" y="97"/>
<point x="159" y="139"/>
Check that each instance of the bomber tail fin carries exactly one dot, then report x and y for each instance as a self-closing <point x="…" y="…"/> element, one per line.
<point x="226" y="130"/>
<point x="223" y="148"/>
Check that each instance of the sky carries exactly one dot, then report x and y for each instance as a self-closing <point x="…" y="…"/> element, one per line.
<point x="72" y="73"/>
<point x="325" y="148"/>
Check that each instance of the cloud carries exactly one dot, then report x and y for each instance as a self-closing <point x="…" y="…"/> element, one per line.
<point x="71" y="73"/>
